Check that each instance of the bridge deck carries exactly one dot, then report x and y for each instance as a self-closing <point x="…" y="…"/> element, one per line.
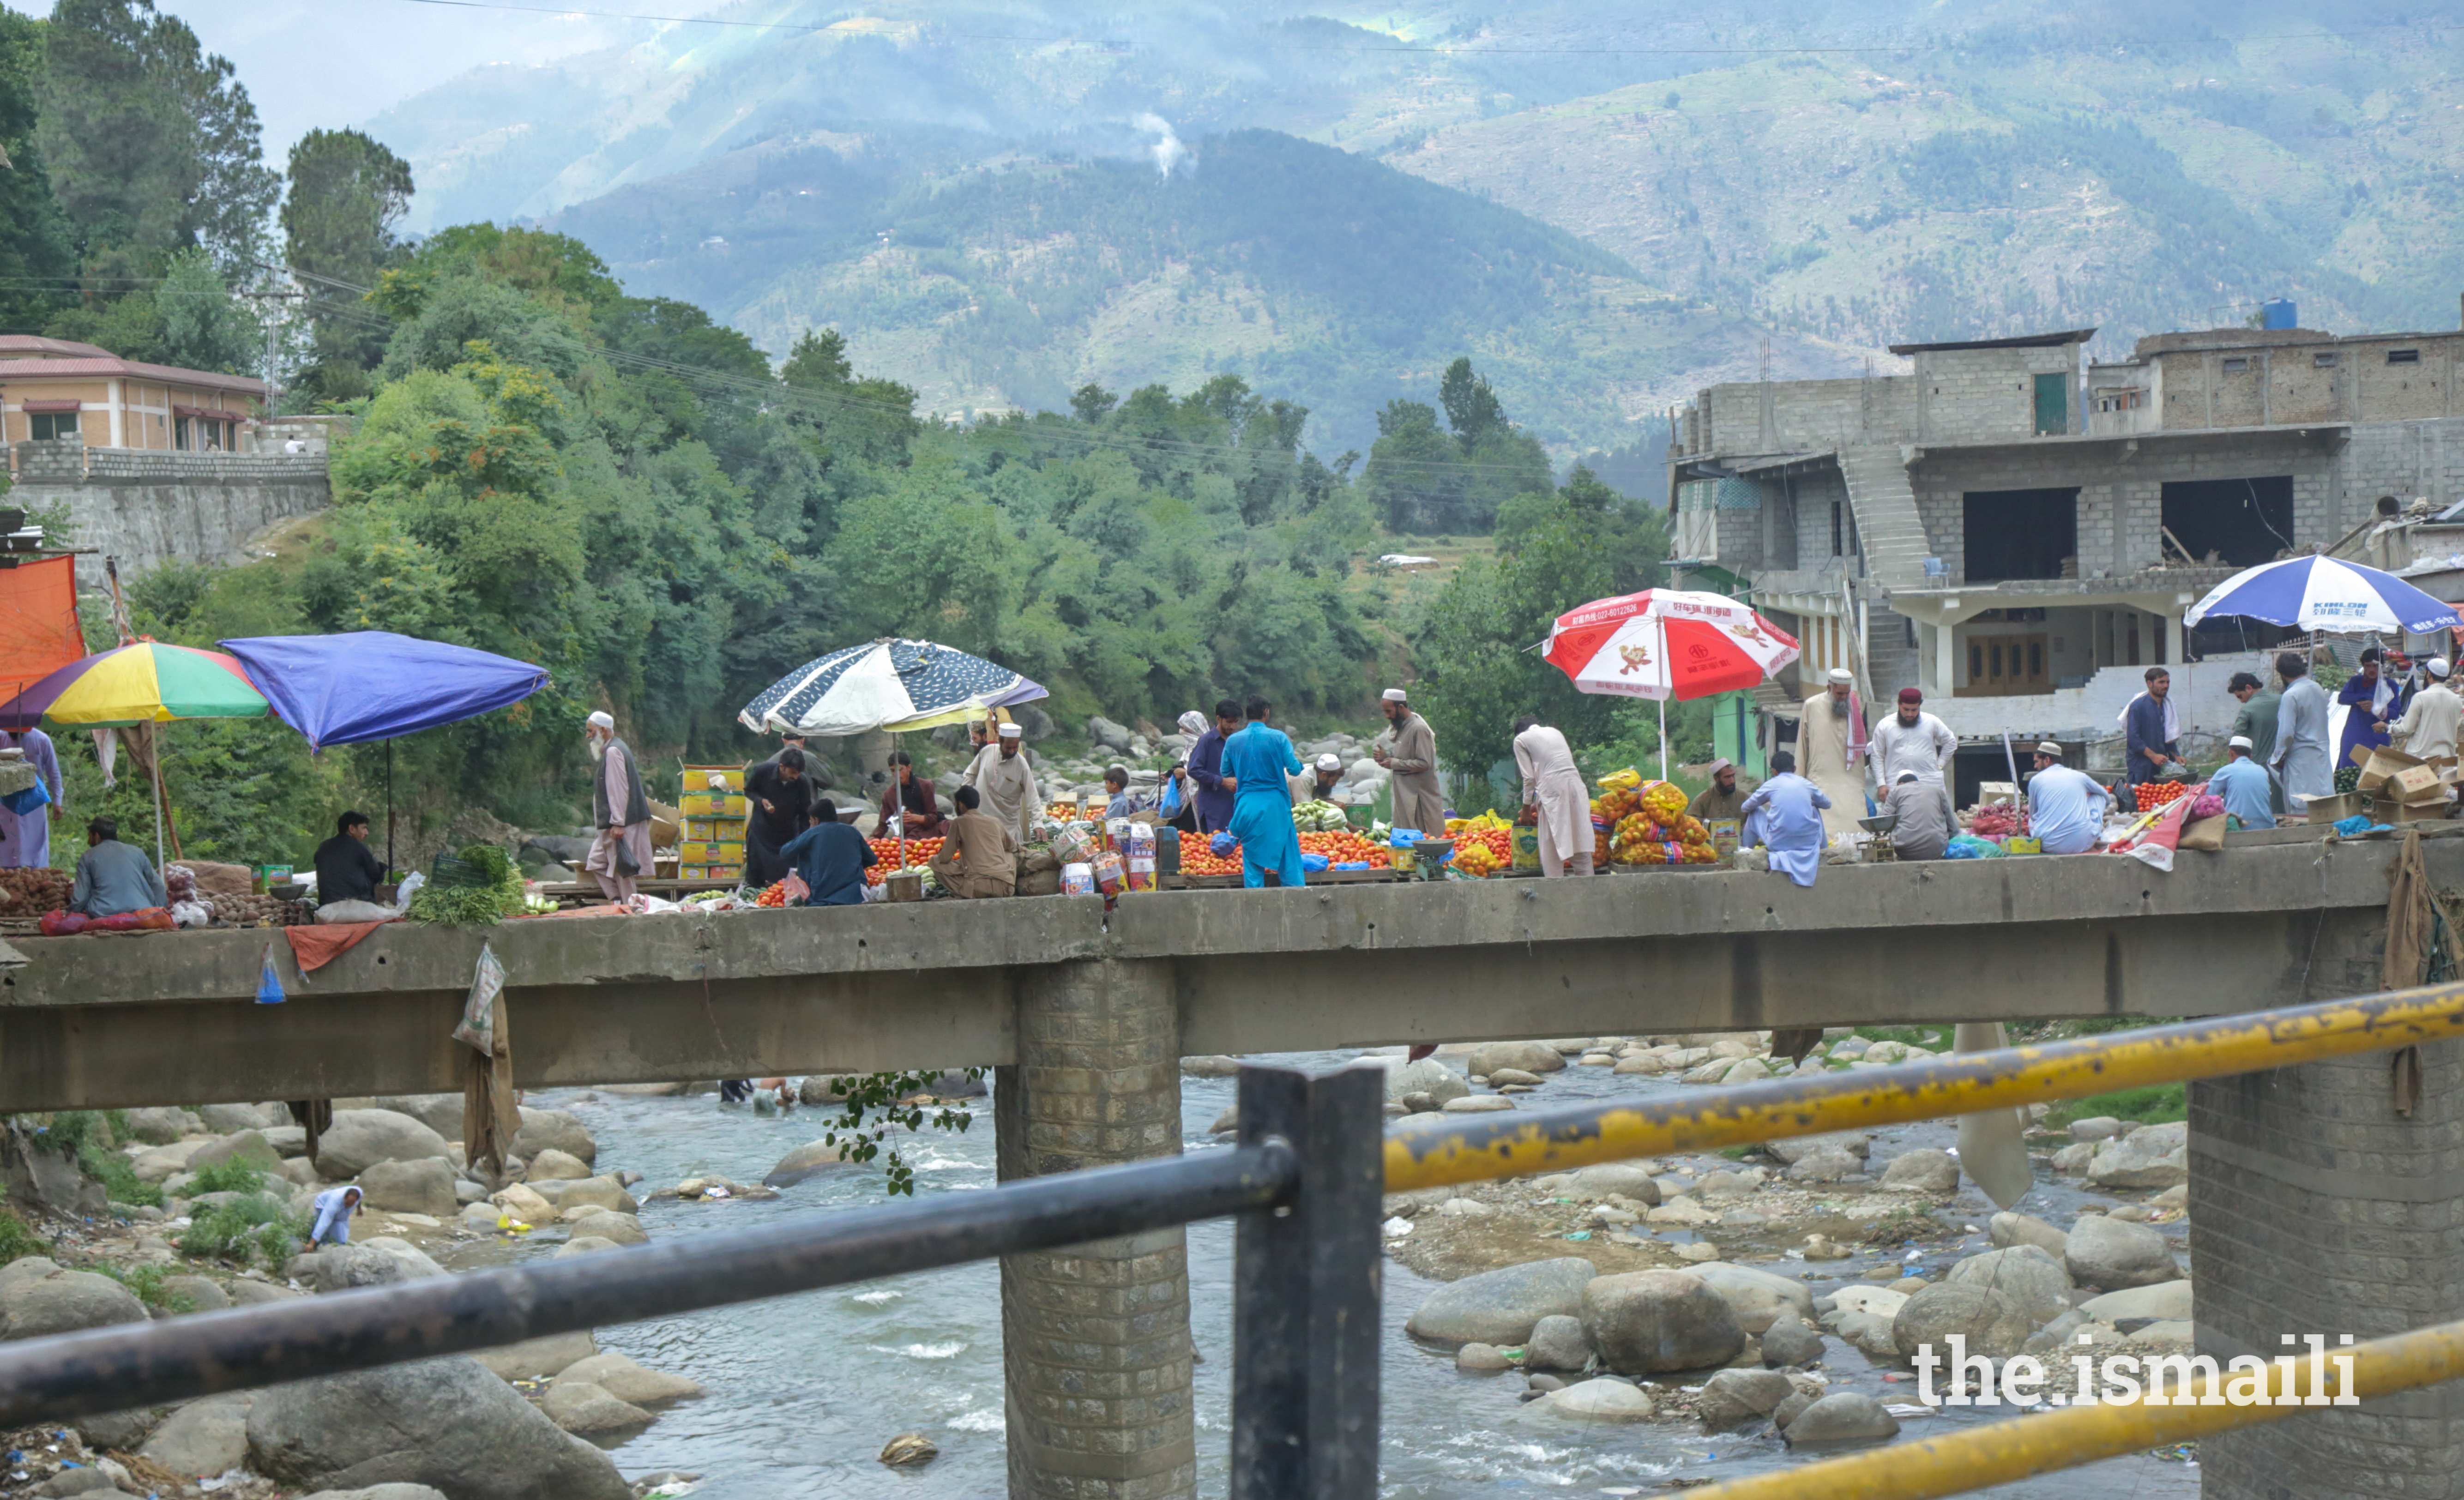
<point x="172" y="1017"/>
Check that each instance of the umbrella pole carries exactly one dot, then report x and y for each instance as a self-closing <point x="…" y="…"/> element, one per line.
<point x="155" y="744"/>
<point x="1668" y="671"/>
<point x="900" y="793"/>
<point x="389" y="809"/>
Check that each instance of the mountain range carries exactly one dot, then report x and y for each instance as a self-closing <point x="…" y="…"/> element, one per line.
<point x="1604" y="205"/>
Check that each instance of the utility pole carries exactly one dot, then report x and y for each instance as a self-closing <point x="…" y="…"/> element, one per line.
<point x="273" y="343"/>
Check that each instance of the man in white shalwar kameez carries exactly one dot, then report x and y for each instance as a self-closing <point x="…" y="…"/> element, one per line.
<point x="620" y="850"/>
<point x="1831" y="750"/>
<point x="1552" y="783"/>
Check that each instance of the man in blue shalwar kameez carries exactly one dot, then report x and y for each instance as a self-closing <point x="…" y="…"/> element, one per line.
<point x="1790" y="808"/>
<point x="1256" y="760"/>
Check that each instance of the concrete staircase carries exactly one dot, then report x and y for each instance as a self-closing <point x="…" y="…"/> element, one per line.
<point x="1888" y="527"/>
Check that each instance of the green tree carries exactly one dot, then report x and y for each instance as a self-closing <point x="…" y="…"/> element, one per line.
<point x="1431" y="481"/>
<point x="37" y="245"/>
<point x="204" y="326"/>
<point x="346" y="194"/>
<point x="150" y="142"/>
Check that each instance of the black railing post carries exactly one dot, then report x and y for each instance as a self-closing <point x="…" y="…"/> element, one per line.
<point x="1306" y="1282"/>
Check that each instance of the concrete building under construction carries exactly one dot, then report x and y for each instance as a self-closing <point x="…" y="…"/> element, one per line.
<point x="2018" y="530"/>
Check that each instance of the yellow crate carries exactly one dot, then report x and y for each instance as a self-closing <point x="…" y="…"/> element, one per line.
<point x="697" y="851"/>
<point x="711" y="805"/>
<point x="698" y="777"/>
<point x="709" y="830"/>
<point x="711" y="872"/>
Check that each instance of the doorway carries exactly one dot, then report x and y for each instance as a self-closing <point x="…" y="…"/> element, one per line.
<point x="2002" y="666"/>
<point x="2241" y="522"/>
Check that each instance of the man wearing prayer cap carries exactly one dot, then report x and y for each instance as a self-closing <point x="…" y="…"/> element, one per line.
<point x="2066" y="809"/>
<point x="620" y="849"/>
<point x="1831" y="750"/>
<point x="1410" y="750"/>
<point x="2244" y="785"/>
<point x="1318" y="783"/>
<point x="2426" y="731"/>
<point x="1913" y="739"/>
<point x="1005" y="779"/>
<point x="1725" y="799"/>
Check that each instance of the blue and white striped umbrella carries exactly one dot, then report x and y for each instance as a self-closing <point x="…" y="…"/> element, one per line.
<point x="2317" y="593"/>
<point x="887" y="684"/>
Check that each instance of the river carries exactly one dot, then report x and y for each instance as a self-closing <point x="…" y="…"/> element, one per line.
<point x="804" y="1391"/>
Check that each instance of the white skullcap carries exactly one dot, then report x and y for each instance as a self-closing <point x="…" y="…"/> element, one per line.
<point x="1011" y="731"/>
<point x="1393" y="695"/>
<point x="2238" y="743"/>
<point x="1724" y="763"/>
<point x="1327" y="763"/>
<point x="603" y="719"/>
<point x="2439" y="666"/>
<point x="1841" y="676"/>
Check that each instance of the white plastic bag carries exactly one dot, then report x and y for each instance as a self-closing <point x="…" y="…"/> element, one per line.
<point x="409" y="888"/>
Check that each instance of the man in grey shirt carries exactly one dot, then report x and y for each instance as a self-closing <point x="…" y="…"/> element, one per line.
<point x="113" y="877"/>
<point x="1927" y="821"/>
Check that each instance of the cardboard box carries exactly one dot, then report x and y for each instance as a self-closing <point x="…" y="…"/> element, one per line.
<point x="2337" y="808"/>
<point x="695" y="804"/>
<point x="713" y="829"/>
<point x="2415" y="785"/>
<point x="711" y="851"/>
<point x="1989" y="793"/>
<point x="2396" y="812"/>
<point x="714" y="777"/>
<point x="711" y="872"/>
<point x="2382" y="764"/>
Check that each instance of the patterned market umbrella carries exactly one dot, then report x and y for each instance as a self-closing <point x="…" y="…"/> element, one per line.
<point x="888" y="684"/>
<point x="1667" y="642"/>
<point x="2318" y="593"/>
<point x="143" y="683"/>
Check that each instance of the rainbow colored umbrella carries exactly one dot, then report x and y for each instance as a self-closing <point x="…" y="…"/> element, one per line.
<point x="145" y="683"/>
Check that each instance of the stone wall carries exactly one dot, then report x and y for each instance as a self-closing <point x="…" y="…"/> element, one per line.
<point x="146" y="508"/>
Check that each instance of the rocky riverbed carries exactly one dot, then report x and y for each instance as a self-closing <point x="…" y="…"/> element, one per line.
<point x="1530" y="1323"/>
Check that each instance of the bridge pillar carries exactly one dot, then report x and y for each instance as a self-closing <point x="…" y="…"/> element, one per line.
<point x="2317" y="1208"/>
<point x="1095" y="1346"/>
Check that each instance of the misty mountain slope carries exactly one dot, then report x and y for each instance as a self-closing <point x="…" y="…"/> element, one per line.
<point x="2000" y="192"/>
<point x="1318" y="274"/>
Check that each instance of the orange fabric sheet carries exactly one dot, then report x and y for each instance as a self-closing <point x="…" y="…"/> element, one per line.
<point x="318" y="944"/>
<point x="38" y="623"/>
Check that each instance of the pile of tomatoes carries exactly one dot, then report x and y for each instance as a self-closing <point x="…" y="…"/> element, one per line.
<point x="1345" y="847"/>
<point x="2153" y="795"/>
<point x="1196" y="859"/>
<point x="1495" y="845"/>
<point x="885" y="857"/>
<point x="775" y="894"/>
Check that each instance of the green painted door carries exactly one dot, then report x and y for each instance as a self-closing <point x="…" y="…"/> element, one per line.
<point x="2053" y="404"/>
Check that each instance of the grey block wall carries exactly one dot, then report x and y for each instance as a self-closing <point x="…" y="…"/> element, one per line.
<point x="1095" y="1347"/>
<point x="148" y="508"/>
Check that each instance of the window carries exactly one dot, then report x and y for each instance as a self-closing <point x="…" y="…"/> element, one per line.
<point x="2238" y="523"/>
<point x="2018" y="534"/>
<point x="2322" y="362"/>
<point x="2404" y="356"/>
<point x="2236" y="366"/>
<point x="52" y="424"/>
<point x="2121" y="398"/>
<point x="1839" y="536"/>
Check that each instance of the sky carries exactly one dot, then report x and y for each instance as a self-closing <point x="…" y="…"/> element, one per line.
<point x="309" y="63"/>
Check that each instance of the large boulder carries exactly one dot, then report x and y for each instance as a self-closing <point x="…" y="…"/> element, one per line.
<point x="381" y="1262"/>
<point x="204" y="1438"/>
<point x="557" y="1130"/>
<point x="539" y="1358"/>
<point x="1923" y="1170"/>
<point x="1532" y="1057"/>
<point x="551" y="1165"/>
<point x="382" y="1492"/>
<point x="2165" y="1300"/>
<point x="1991" y="1324"/>
<point x="606" y="1223"/>
<point x="2110" y="1255"/>
<point x="1557" y="1342"/>
<point x="1856" y="1144"/>
<point x="361" y="1138"/>
<point x="1595" y="1400"/>
<point x="39" y="1303"/>
<point x="1788" y="1341"/>
<point x="1756" y="1296"/>
<point x="1502" y="1307"/>
<point x="1734" y="1396"/>
<point x="1643" y="1322"/>
<point x="809" y="1159"/>
<point x="1830" y="1165"/>
<point x="1105" y="734"/>
<point x="161" y="1125"/>
<point x="2152" y="1156"/>
<point x="448" y="1423"/>
<point x="1841" y="1416"/>
<point x="227" y="1119"/>
<point x="2032" y="1277"/>
<point x="425" y="1186"/>
<point x="1622" y="1179"/>
<point x="581" y="1407"/>
<point x="2006" y="1229"/>
<point x="1428" y="1076"/>
<point x="628" y="1382"/>
<point x="599" y="1192"/>
<point x="441" y="1113"/>
<point x="163" y="1162"/>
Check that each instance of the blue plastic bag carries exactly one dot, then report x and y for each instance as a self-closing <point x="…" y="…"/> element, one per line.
<point x="268" y="984"/>
<point x="1406" y="837"/>
<point x="1222" y="843"/>
<point x="1313" y="864"/>
<point x="27" y="801"/>
<point x="1170" y="807"/>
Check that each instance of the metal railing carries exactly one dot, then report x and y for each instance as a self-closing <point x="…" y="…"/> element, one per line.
<point x="1306" y="1181"/>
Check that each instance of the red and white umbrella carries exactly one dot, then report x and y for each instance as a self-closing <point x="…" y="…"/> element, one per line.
<point x="1667" y="642"/>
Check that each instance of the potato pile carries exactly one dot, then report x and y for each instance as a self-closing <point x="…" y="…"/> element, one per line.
<point x="31" y="893"/>
<point x="259" y="911"/>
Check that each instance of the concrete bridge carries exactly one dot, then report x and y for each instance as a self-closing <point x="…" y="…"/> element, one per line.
<point x="2316" y="1206"/>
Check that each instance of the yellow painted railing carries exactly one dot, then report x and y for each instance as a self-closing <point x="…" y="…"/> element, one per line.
<point x="1997" y="1452"/>
<point x="1555" y="1141"/>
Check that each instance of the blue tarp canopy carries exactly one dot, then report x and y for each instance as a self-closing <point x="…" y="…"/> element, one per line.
<point x="363" y="685"/>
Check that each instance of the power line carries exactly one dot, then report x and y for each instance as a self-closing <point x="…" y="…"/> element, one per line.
<point x="1407" y="49"/>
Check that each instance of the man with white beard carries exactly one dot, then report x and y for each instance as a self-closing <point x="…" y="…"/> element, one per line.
<point x="619" y="851"/>
<point x="1831" y="750"/>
